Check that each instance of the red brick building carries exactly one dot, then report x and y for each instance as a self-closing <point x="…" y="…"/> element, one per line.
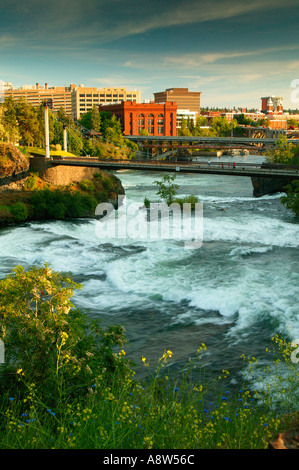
<point x="155" y="118"/>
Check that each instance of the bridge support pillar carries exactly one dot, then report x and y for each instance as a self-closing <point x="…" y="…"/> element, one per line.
<point x="264" y="185"/>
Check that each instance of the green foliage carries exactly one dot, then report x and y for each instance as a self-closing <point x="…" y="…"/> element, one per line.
<point x="221" y="127"/>
<point x="61" y="203"/>
<point x="30" y="182"/>
<point x="291" y="199"/>
<point x="66" y="383"/>
<point x="147" y="203"/>
<point x="19" y="211"/>
<point x="87" y="185"/>
<point x="167" y="188"/>
<point x="50" y="344"/>
<point x="283" y="152"/>
<point x="191" y="199"/>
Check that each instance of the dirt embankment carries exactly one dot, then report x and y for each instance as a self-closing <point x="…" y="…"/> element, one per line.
<point x="13" y="164"/>
<point x="25" y="195"/>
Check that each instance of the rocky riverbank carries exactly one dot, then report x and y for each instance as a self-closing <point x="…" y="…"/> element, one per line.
<point x="28" y="194"/>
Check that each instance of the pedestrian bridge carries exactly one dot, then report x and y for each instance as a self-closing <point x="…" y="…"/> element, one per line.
<point x="155" y="145"/>
<point x="237" y="169"/>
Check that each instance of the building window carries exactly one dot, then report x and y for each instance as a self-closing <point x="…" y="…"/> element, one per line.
<point x="160" y="120"/>
<point x="140" y="120"/>
<point x="150" y="129"/>
<point x="160" y="129"/>
<point x="150" y="120"/>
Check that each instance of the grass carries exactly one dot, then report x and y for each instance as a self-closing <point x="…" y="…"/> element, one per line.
<point x="67" y="382"/>
<point x="158" y="414"/>
<point x="41" y="151"/>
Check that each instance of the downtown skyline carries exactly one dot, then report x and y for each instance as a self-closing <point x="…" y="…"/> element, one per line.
<point x="232" y="52"/>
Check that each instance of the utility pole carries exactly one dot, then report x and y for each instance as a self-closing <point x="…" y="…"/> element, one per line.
<point x="64" y="138"/>
<point x="47" y="104"/>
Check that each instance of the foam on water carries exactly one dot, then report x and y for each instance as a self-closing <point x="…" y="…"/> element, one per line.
<point x="243" y="277"/>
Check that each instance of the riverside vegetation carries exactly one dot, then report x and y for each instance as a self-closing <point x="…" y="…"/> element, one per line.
<point x="67" y="382"/>
<point x="37" y="200"/>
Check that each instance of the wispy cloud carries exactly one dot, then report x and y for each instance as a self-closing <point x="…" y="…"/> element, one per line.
<point x="102" y="21"/>
<point x="198" y="59"/>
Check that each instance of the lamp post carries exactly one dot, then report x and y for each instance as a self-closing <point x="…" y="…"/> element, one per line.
<point x="47" y="104"/>
<point x="64" y="138"/>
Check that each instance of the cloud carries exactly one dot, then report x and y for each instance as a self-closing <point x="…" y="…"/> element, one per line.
<point x="102" y="21"/>
<point x="198" y="59"/>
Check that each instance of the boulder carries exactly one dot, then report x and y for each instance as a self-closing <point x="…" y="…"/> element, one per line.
<point x="13" y="164"/>
<point x="286" y="440"/>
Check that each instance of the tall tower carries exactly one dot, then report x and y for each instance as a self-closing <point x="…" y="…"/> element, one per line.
<point x="279" y="107"/>
<point x="269" y="106"/>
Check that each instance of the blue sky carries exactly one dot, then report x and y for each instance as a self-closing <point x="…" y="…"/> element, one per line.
<point x="233" y="52"/>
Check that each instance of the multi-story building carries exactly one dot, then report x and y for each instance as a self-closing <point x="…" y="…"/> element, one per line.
<point x="272" y="105"/>
<point x="185" y="114"/>
<point x="184" y="98"/>
<point x="84" y="98"/>
<point x="154" y="118"/>
<point x="36" y="94"/>
<point x="75" y="100"/>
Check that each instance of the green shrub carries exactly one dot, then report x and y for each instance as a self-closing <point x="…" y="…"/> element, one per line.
<point x="107" y="184"/>
<point x="19" y="211"/>
<point x="62" y="203"/>
<point x="48" y="342"/>
<point x="192" y="199"/>
<point x="4" y="212"/>
<point x="30" y="182"/>
<point x="87" y="185"/>
<point x="291" y="199"/>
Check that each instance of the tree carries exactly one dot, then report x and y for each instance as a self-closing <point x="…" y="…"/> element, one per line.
<point x="9" y="120"/>
<point x="95" y="119"/>
<point x="4" y="134"/>
<point x="184" y="130"/>
<point x="221" y="127"/>
<point x="292" y="123"/>
<point x="28" y="122"/>
<point x="283" y="152"/>
<point x="167" y="188"/>
<point x="291" y="199"/>
<point x="48" y="342"/>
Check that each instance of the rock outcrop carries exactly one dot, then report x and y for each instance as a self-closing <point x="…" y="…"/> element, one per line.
<point x="13" y="164"/>
<point x="264" y="185"/>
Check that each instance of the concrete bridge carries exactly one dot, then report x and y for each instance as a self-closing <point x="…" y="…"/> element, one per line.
<point x="265" y="180"/>
<point x="155" y="145"/>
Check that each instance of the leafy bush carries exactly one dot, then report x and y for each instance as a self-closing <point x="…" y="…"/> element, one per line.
<point x="192" y="199"/>
<point x="48" y="342"/>
<point x="30" y="182"/>
<point x="61" y="203"/>
<point x="87" y="185"/>
<point x="291" y="199"/>
<point x="19" y="211"/>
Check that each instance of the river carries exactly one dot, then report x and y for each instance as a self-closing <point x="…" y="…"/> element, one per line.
<point x="233" y="293"/>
